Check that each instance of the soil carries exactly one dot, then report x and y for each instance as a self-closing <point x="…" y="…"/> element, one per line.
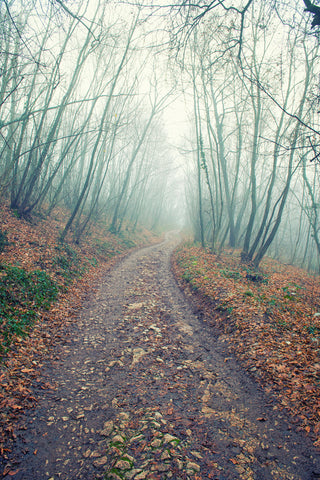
<point x="143" y="388"/>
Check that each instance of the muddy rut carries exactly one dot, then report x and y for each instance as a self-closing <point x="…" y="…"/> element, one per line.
<point x="143" y="389"/>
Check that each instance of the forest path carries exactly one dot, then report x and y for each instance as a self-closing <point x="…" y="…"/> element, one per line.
<point x="144" y="390"/>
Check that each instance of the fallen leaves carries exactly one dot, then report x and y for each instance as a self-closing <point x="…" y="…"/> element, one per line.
<point x="140" y="447"/>
<point x="177" y="411"/>
<point x="34" y="246"/>
<point x="11" y="473"/>
<point x="273" y="325"/>
<point x="138" y="353"/>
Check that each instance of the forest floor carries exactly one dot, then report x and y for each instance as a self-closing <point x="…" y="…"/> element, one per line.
<point x="42" y="286"/>
<point x="138" y="386"/>
<point x="270" y="319"/>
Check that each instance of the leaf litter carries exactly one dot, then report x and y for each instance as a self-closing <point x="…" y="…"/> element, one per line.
<point x="151" y="393"/>
<point x="271" y="325"/>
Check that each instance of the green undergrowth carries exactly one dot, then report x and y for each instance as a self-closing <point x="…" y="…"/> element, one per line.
<point x="22" y="296"/>
<point x="107" y="249"/>
<point x="68" y="264"/>
<point x="3" y="240"/>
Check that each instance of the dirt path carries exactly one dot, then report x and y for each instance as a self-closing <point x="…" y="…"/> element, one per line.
<point x="145" y="391"/>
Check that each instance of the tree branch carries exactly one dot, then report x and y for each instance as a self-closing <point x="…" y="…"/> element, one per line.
<point x="66" y="9"/>
<point x="315" y="10"/>
<point x="256" y="82"/>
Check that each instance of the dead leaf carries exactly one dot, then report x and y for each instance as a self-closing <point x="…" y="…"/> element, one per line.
<point x="13" y="472"/>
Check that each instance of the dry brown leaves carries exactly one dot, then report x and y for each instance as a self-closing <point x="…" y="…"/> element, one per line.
<point x="33" y="245"/>
<point x="272" y="324"/>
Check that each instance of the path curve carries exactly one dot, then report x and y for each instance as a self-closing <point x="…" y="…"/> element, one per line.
<point x="144" y="390"/>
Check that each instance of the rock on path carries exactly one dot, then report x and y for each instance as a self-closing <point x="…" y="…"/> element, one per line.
<point x="144" y="390"/>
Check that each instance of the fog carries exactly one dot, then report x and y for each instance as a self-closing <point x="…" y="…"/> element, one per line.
<point x="167" y="116"/>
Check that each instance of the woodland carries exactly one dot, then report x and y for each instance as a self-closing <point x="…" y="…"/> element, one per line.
<point x="123" y="120"/>
<point x="203" y="117"/>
